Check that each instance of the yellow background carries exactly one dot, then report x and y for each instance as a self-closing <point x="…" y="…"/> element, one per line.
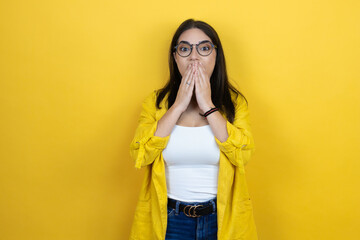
<point x="73" y="76"/>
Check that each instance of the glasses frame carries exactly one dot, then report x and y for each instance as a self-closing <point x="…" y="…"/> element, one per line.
<point x="197" y="47"/>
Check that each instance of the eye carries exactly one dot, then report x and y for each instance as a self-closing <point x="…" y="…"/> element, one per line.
<point x="205" y="48"/>
<point x="183" y="49"/>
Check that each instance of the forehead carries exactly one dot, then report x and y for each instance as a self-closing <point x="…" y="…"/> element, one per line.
<point x="193" y="35"/>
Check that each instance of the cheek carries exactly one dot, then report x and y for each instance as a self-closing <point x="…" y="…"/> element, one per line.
<point x="182" y="67"/>
<point x="210" y="65"/>
<point x="182" y="70"/>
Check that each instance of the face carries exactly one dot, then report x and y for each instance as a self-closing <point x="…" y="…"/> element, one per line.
<point x="194" y="36"/>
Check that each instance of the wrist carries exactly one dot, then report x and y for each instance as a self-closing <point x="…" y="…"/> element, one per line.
<point x="176" y="108"/>
<point x="207" y="108"/>
<point x="212" y="110"/>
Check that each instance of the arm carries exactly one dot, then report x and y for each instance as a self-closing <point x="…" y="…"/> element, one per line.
<point x="239" y="146"/>
<point x="167" y="122"/>
<point x="218" y="124"/>
<point x="183" y="97"/>
<point x="235" y="140"/>
<point x="145" y="146"/>
<point x="152" y="135"/>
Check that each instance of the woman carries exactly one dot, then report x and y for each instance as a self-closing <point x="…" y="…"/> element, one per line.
<point x="194" y="139"/>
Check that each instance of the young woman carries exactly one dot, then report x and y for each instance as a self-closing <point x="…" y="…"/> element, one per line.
<point x="194" y="139"/>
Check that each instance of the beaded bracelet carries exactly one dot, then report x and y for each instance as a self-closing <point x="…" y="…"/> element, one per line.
<point x="209" y="112"/>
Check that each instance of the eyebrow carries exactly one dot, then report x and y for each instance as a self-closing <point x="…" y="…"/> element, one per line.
<point x="195" y="43"/>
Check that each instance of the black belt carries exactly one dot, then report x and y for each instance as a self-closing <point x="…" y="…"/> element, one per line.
<point x="193" y="210"/>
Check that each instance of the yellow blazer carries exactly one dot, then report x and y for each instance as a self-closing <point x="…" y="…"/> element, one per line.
<point x="234" y="207"/>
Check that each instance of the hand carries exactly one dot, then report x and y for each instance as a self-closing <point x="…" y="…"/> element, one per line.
<point x="202" y="89"/>
<point x="185" y="91"/>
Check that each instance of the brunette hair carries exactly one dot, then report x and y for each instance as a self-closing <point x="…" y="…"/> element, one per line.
<point x="220" y="86"/>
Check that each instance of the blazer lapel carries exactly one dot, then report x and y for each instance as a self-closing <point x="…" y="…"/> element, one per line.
<point x="226" y="172"/>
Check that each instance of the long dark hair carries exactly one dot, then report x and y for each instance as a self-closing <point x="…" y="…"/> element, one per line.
<point x="220" y="86"/>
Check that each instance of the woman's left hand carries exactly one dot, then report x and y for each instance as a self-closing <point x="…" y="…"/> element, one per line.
<point x="203" y="89"/>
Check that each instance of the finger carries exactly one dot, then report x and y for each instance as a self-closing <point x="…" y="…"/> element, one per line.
<point x="191" y="79"/>
<point x="202" y="74"/>
<point x="188" y="74"/>
<point x="205" y="81"/>
<point x="202" y="66"/>
<point x="198" y="84"/>
<point x="199" y="81"/>
<point x="192" y="84"/>
<point x="189" y="70"/>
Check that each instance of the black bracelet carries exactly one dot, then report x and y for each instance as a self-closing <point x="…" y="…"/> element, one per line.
<point x="209" y="112"/>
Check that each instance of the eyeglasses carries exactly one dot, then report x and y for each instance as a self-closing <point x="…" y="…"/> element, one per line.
<point x="204" y="48"/>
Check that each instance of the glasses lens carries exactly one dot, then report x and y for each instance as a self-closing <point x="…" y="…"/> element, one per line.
<point x="205" y="48"/>
<point x="184" y="49"/>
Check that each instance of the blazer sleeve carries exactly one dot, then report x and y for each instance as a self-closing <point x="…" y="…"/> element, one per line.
<point x="239" y="146"/>
<point x="145" y="147"/>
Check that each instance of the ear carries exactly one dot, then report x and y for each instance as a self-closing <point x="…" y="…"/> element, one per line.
<point x="174" y="54"/>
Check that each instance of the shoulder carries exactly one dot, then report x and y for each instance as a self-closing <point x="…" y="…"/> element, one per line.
<point x="150" y="100"/>
<point x="237" y="99"/>
<point x="151" y="97"/>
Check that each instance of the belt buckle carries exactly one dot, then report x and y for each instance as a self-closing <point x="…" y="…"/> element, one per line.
<point x="193" y="214"/>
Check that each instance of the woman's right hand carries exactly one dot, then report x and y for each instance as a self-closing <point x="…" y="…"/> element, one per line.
<point x="186" y="88"/>
<point x="167" y="122"/>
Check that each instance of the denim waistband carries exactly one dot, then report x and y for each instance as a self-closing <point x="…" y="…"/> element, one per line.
<point x="209" y="202"/>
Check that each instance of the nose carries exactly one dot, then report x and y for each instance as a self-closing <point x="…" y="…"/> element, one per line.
<point x="194" y="54"/>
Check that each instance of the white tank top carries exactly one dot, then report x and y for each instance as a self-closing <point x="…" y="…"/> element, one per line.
<point x="191" y="164"/>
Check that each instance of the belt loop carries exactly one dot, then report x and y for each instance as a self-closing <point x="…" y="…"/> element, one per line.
<point x="177" y="207"/>
<point x="213" y="204"/>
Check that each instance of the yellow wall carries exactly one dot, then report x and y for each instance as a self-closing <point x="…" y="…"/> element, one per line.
<point x="73" y="75"/>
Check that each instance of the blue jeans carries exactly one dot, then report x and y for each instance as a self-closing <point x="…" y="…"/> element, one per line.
<point x="182" y="227"/>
